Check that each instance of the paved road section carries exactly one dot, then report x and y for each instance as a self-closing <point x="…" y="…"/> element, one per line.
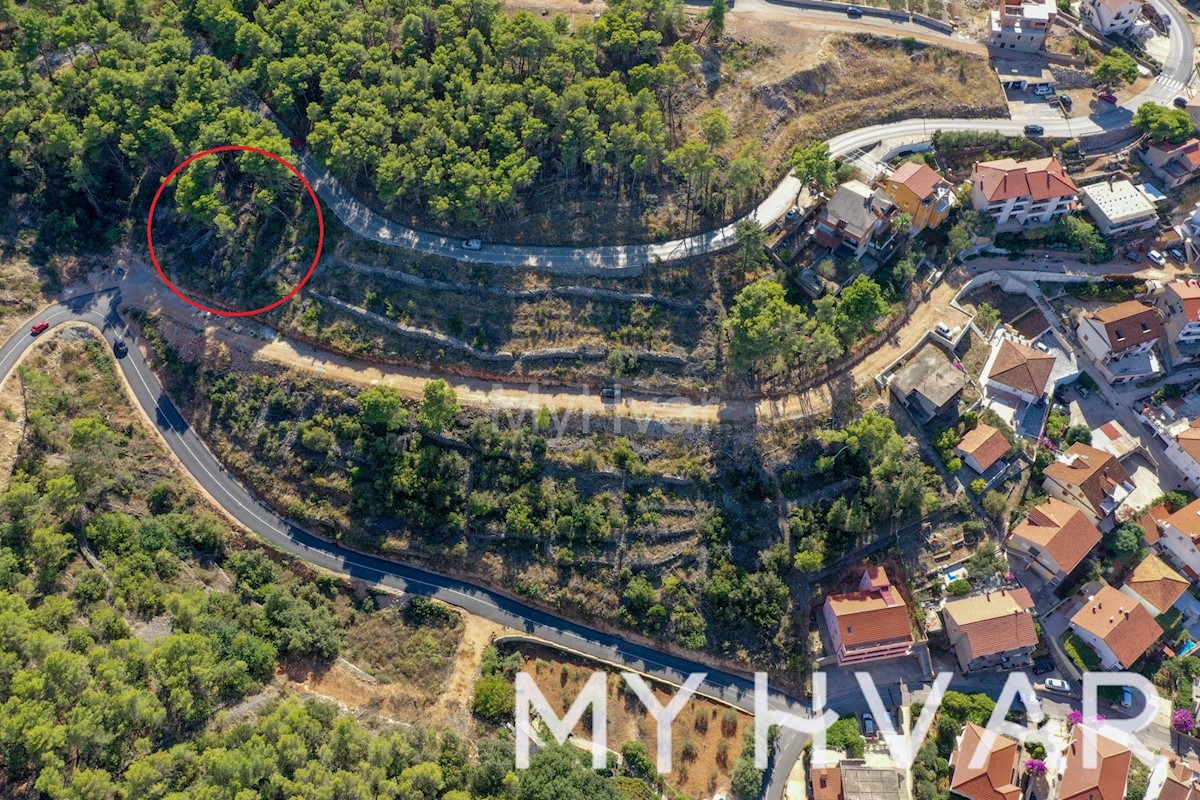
<point x="632" y="259"/>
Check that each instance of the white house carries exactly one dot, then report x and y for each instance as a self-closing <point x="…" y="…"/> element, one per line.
<point x="1018" y="193"/>
<point x="1181" y="308"/>
<point x="1180" y="537"/>
<point x="1119" y="208"/>
<point x="1089" y="479"/>
<point x="1121" y="339"/>
<point x="1021" y="25"/>
<point x="1018" y="370"/>
<point x="1117" y="627"/>
<point x="1115" y="17"/>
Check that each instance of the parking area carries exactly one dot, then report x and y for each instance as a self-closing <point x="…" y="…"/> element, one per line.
<point x="1146" y="487"/>
<point x="1029" y="107"/>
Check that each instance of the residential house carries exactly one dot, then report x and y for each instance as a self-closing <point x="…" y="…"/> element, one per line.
<point x="1117" y="627"/>
<point x="997" y="778"/>
<point x="1021" y="25"/>
<point x="853" y="218"/>
<point x="1119" y="208"/>
<point x="920" y="191"/>
<point x="1180" y="540"/>
<point x="1056" y="537"/>
<point x="852" y="779"/>
<point x="1088" y="478"/>
<point x="1016" y="369"/>
<point x="982" y="447"/>
<point x="1181" y="307"/>
<point x="1155" y="585"/>
<point x="1115" y="17"/>
<point x="1175" y="778"/>
<point x="994" y="629"/>
<point x="1121" y="340"/>
<point x="871" y="623"/>
<point x="825" y="783"/>
<point x="1102" y="777"/>
<point x="929" y="384"/>
<point x="1023" y="192"/>
<point x="1172" y="164"/>
<point x="1112" y="438"/>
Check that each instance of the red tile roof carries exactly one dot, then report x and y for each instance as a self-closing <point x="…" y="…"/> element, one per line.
<point x="998" y="777"/>
<point x="986" y="444"/>
<point x="1129" y="324"/>
<point x="995" y="622"/>
<point x="872" y="615"/>
<point x="1040" y="179"/>
<point x="1123" y="623"/>
<point x="1186" y="520"/>
<point x="1157" y="583"/>
<point x="1021" y="367"/>
<point x="1093" y="471"/>
<point x="1150" y="521"/>
<point x="827" y="783"/>
<point x="1188" y="293"/>
<point x="1062" y="530"/>
<point x="1104" y="782"/>
<point x="920" y="179"/>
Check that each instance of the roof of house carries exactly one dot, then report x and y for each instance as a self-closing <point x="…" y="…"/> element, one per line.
<point x="1123" y="623"/>
<point x="1062" y="530"/>
<point x="986" y="444"/>
<point x="1094" y="471"/>
<point x="1111" y="437"/>
<point x="1118" y="201"/>
<point x="1182" y="779"/>
<point x="1128" y="324"/>
<point x="997" y="778"/>
<point x="1021" y="367"/>
<point x="827" y="783"/>
<point x="995" y="622"/>
<point x="1188" y="293"/>
<point x="1189" y="439"/>
<point x="857" y="208"/>
<point x="1155" y="581"/>
<point x="1106" y="781"/>
<point x="1178" y="159"/>
<point x="860" y="782"/>
<point x="1039" y="179"/>
<point x="1187" y="519"/>
<point x="871" y="615"/>
<point x="931" y="375"/>
<point x="1150" y="520"/>
<point x="920" y="179"/>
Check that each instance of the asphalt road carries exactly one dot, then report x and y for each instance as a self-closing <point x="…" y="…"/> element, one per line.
<point x="618" y="260"/>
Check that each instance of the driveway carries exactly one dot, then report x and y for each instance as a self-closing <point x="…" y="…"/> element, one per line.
<point x="1029" y="107"/>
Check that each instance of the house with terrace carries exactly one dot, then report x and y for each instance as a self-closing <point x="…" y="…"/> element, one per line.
<point x="1104" y="776"/>
<point x="920" y="191"/>
<point x="1055" y="539"/>
<point x="1122" y="341"/>
<point x="1018" y="193"/>
<point x="983" y="447"/>
<point x="1118" y="628"/>
<point x="1119" y="208"/>
<point x="996" y="776"/>
<point x="856" y="221"/>
<point x="1021" y="25"/>
<point x="1172" y="164"/>
<point x="1016" y="380"/>
<point x="1115" y="17"/>
<point x="994" y="629"/>
<point x="871" y="623"/>
<point x="1090" y="479"/>
<point x="1179" y="541"/>
<point x="1180" y="304"/>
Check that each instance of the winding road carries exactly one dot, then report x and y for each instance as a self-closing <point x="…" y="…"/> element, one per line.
<point x="632" y="259"/>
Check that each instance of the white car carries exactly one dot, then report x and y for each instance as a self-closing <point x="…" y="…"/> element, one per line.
<point x="1156" y="257"/>
<point x="943" y="330"/>
<point x="1058" y="685"/>
<point x="792" y="213"/>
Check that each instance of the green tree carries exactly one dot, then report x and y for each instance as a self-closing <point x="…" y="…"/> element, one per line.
<point x="1116" y="68"/>
<point x="1124" y="541"/>
<point x="1163" y="124"/>
<point x="762" y="326"/>
<point x="996" y="505"/>
<point x="715" y="128"/>
<point x="813" y="166"/>
<point x="752" y="244"/>
<point x="495" y="698"/>
<point x="382" y="408"/>
<point x="859" y="305"/>
<point x="987" y="318"/>
<point x="809" y="561"/>
<point x="716" y="18"/>
<point x="439" y="406"/>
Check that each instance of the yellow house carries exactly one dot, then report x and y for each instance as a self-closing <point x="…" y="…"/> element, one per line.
<point x="920" y="191"/>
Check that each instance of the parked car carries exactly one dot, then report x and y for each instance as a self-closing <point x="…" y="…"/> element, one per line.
<point x="39" y="327"/>
<point x="1126" y="697"/>
<point x="1107" y="97"/>
<point x="1066" y="101"/>
<point x="1043" y="666"/>
<point x="1156" y="257"/>
<point x="1084" y="392"/>
<point x="943" y="330"/>
<point x="471" y="244"/>
<point x="1180" y="102"/>
<point x="1034" y="130"/>
<point x="1176" y="254"/>
<point x="853" y="11"/>
<point x="1058" y="685"/>
<point x="1043" y="88"/>
<point x="1133" y="255"/>
<point x="610" y="393"/>
<point x="792" y="213"/>
<point x="297" y="144"/>
<point x="868" y="726"/>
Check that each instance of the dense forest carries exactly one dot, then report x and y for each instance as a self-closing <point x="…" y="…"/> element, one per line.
<point x="137" y="629"/>
<point x="443" y="109"/>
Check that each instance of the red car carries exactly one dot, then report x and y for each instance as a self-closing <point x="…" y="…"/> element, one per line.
<point x="39" y="327"/>
<point x="297" y="144"/>
<point x="1107" y="98"/>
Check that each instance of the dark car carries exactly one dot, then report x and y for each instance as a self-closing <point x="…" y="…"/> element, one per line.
<point x="853" y="11"/>
<point x="1180" y="102"/>
<point x="39" y="327"/>
<point x="1043" y="666"/>
<point x="297" y="144"/>
<point x="1034" y="130"/>
<point x="120" y="348"/>
<point x="1065" y="99"/>
<point x="1175" y="253"/>
<point x="610" y="393"/>
<point x="1107" y="97"/>
<point x="1133" y="256"/>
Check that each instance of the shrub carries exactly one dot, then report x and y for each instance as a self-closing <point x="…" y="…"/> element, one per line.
<point x="495" y="698"/>
<point x="959" y="587"/>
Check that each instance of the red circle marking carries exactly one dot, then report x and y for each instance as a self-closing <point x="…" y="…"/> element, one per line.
<point x="224" y="148"/>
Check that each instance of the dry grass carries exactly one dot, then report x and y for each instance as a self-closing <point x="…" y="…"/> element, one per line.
<point x="394" y="647"/>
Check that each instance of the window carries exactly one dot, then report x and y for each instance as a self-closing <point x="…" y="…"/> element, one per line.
<point x="1145" y="327"/>
<point x="1119" y="334"/>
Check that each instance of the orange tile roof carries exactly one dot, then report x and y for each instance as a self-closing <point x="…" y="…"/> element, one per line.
<point x="1128" y="324"/>
<point x="827" y="783"/>
<point x="1187" y="519"/>
<point x="1039" y="179"/>
<point x="997" y="778"/>
<point x="1021" y="367"/>
<point x="1188" y="293"/>
<point x="1155" y="581"/>
<point x="1187" y="153"/>
<point x="1123" y="623"/>
<point x="1181" y="782"/>
<point x="986" y="444"/>
<point x="1104" y="782"/>
<point x="1062" y="530"/>
<point x="1189" y="439"/>
<point x="1094" y="471"/>
<point x="995" y="622"/>
<point x="871" y="615"/>
<point x="920" y="179"/>
<point x="1150" y="520"/>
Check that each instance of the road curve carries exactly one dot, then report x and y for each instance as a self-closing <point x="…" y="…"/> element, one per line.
<point x="100" y="310"/>
<point x="632" y="259"/>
